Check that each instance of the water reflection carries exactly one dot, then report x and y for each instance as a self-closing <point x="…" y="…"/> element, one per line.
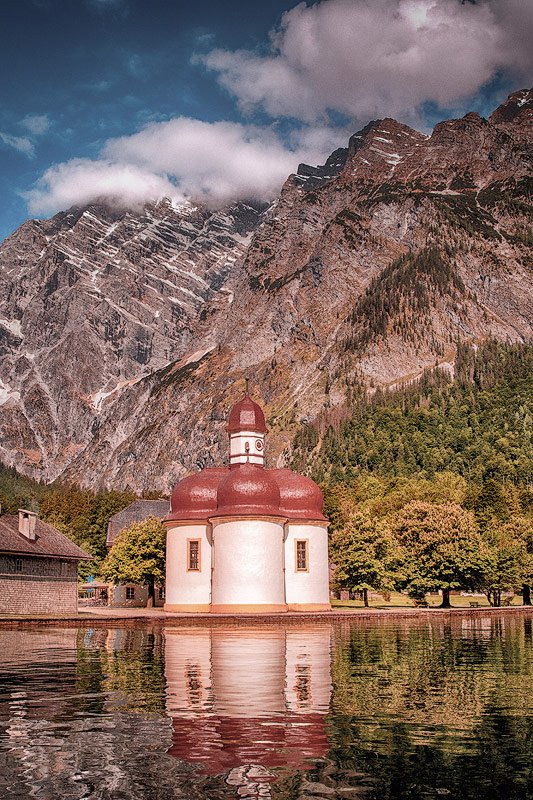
<point x="247" y="695"/>
<point x="395" y="710"/>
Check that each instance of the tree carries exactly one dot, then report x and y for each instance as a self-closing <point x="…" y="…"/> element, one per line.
<point x="138" y="556"/>
<point x="365" y="555"/>
<point x="507" y="565"/>
<point x="520" y="530"/>
<point x="442" y="548"/>
<point x="83" y="517"/>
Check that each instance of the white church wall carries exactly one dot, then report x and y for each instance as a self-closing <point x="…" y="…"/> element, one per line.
<point x="186" y="589"/>
<point x="248" y="565"/>
<point x="307" y="590"/>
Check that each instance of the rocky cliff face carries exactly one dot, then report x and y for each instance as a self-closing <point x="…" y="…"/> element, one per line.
<point x="124" y="337"/>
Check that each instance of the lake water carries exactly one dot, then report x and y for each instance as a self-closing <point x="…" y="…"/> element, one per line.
<point x="391" y="708"/>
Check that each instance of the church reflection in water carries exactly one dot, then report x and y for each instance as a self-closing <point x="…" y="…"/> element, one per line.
<point x="248" y="695"/>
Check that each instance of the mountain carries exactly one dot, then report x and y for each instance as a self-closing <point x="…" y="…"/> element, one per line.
<point x="125" y="336"/>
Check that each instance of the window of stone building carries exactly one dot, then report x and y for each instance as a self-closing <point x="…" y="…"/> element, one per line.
<point x="302" y="555"/>
<point x="161" y="592"/>
<point x="18" y="565"/>
<point x="130" y="593"/>
<point x="193" y="555"/>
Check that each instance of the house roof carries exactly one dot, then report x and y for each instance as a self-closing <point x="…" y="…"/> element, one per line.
<point x="137" y="511"/>
<point x="49" y="541"/>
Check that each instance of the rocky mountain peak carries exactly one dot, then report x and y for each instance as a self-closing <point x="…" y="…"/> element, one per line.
<point x="312" y="177"/>
<point x="516" y="113"/>
<point x="126" y="334"/>
<point x="378" y="149"/>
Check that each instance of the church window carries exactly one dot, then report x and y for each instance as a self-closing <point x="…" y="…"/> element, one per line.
<point x="302" y="555"/>
<point x="193" y="555"/>
<point x="18" y="565"/>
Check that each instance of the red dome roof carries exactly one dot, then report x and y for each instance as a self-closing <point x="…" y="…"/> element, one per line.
<point x="250" y="490"/>
<point x="300" y="497"/>
<point x="245" y="490"/>
<point x="246" y="416"/>
<point x="195" y="497"/>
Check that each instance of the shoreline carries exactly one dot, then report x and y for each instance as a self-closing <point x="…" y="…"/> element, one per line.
<point x="104" y="617"/>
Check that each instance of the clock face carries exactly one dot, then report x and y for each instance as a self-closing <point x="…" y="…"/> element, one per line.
<point x="258" y="444"/>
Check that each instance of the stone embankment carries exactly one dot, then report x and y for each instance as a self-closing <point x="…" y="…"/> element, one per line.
<point x="126" y="617"/>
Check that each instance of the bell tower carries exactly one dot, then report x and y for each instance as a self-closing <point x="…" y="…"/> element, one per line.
<point x="246" y="428"/>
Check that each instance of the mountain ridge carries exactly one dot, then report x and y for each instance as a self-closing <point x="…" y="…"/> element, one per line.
<point x="125" y="336"/>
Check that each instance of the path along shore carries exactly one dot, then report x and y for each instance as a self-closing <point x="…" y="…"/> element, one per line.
<point x="125" y="617"/>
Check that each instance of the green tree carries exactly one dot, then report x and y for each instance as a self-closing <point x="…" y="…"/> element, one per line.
<point x="518" y="531"/>
<point x="138" y="556"/>
<point x="507" y="567"/>
<point x="83" y="517"/>
<point x="442" y="548"/>
<point x="365" y="555"/>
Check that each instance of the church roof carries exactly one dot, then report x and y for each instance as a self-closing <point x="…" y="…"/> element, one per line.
<point x="246" y="490"/>
<point x="246" y="415"/>
<point x="49" y="541"/>
<point x="300" y="497"/>
<point x="195" y="497"/>
<point x="137" y="511"/>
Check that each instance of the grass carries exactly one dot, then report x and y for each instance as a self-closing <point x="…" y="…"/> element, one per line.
<point x="399" y="600"/>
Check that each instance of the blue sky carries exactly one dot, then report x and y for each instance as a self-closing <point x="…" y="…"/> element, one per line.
<point x="137" y="98"/>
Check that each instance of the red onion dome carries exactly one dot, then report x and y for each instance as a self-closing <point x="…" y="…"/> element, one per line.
<point x="300" y="497"/>
<point x="248" y="490"/>
<point x="195" y="497"/>
<point x="246" y="416"/>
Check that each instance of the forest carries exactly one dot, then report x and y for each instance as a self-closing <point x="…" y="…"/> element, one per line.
<point x="429" y="487"/>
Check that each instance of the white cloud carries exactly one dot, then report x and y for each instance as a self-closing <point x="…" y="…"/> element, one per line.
<point x="358" y="58"/>
<point x="213" y="162"/>
<point x="37" y="124"/>
<point x="216" y="161"/>
<point x="82" y="181"/>
<point x="371" y="59"/>
<point x="20" y="143"/>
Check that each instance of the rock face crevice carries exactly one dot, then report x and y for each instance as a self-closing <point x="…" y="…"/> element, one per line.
<point x="124" y="335"/>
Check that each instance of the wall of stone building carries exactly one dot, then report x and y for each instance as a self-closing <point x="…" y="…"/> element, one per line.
<point x="42" y="586"/>
<point x="118" y="599"/>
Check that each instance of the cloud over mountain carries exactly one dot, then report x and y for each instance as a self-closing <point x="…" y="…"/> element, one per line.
<point x="387" y="57"/>
<point x="213" y="162"/>
<point x="352" y="60"/>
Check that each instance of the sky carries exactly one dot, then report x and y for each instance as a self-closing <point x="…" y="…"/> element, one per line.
<point x="214" y="101"/>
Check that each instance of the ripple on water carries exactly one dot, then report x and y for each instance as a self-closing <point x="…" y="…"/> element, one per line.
<point x="400" y="710"/>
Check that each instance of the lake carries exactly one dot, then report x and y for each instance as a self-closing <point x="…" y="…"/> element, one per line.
<point x="432" y="707"/>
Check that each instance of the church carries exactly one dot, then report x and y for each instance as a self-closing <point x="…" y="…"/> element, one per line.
<point x="243" y="538"/>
